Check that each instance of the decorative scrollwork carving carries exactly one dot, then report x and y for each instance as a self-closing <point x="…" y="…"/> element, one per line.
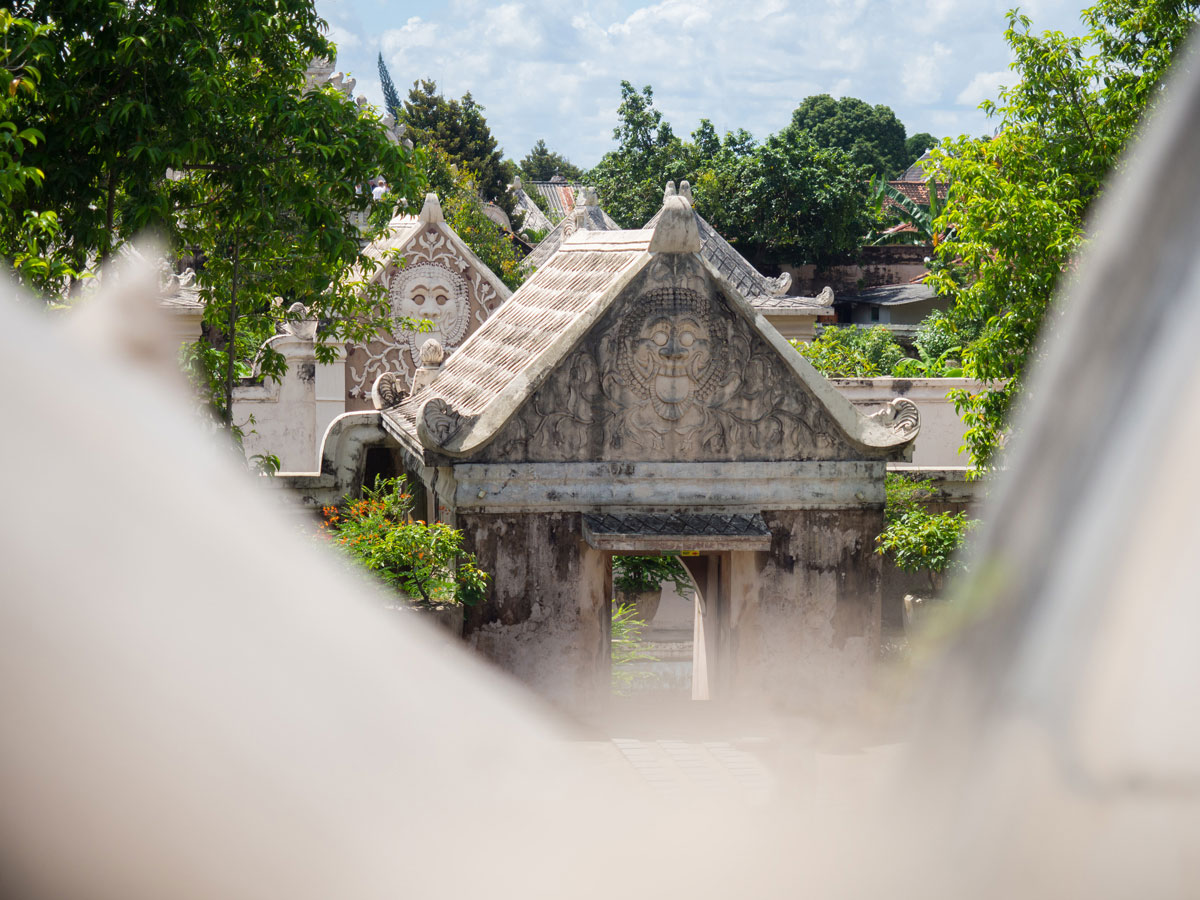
<point x="439" y="422"/>
<point x="388" y="390"/>
<point x="900" y="415"/>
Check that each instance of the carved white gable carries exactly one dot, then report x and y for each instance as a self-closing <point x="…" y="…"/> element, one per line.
<point x="433" y="276"/>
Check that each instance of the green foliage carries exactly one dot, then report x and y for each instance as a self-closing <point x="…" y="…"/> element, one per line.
<point x="915" y="147"/>
<point x="787" y="199"/>
<point x="464" y="211"/>
<point x="626" y="648"/>
<point x="635" y="574"/>
<point x="872" y="136"/>
<point x="28" y="235"/>
<point x="915" y="539"/>
<point x="852" y="352"/>
<point x="459" y="130"/>
<point x="391" y="99"/>
<point x="424" y="561"/>
<point x="630" y="179"/>
<point x="542" y="164"/>
<point x="1017" y="202"/>
<point x="193" y="118"/>
<point x="903" y="209"/>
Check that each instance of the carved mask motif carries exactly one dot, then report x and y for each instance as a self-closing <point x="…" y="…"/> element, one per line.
<point x="433" y="292"/>
<point x="666" y="354"/>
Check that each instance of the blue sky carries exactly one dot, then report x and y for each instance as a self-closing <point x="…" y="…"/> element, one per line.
<point x="553" y="70"/>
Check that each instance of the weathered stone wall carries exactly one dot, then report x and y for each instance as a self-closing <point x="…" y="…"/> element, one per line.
<point x="546" y="616"/>
<point x="873" y="267"/>
<point x="804" y="619"/>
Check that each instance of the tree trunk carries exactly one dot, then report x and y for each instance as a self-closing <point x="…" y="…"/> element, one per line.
<point x="230" y="342"/>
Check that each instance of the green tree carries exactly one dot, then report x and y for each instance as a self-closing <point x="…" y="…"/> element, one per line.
<point x="542" y="164"/>
<point x="195" y="118"/>
<point x="458" y="129"/>
<point x="915" y="146"/>
<point x="872" y="135"/>
<point x="786" y="200"/>
<point x="28" y="236"/>
<point x="914" y="538"/>
<point x="464" y="211"/>
<point x="391" y="99"/>
<point x="630" y="179"/>
<point x="1017" y="203"/>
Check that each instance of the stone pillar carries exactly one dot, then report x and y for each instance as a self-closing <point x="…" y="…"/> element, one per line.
<point x="546" y="616"/>
<point x="284" y="412"/>
<point x="804" y="618"/>
<point x="330" y="397"/>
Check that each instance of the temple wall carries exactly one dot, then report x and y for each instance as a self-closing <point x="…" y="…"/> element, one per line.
<point x="804" y="618"/>
<point x="291" y="416"/>
<point x="546" y="617"/>
<point x="941" y="428"/>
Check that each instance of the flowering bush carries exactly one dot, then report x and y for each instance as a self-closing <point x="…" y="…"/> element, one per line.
<point x="426" y="562"/>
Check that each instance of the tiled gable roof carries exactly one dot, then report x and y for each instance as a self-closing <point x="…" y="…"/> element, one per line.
<point x="748" y="281"/>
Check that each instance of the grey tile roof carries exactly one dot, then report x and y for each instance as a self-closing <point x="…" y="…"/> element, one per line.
<point x="594" y="219"/>
<point x="891" y="295"/>
<point x="749" y="282"/>
<point x="673" y="525"/>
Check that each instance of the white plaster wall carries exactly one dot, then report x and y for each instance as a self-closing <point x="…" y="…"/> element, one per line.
<point x="330" y="398"/>
<point x="941" y="429"/>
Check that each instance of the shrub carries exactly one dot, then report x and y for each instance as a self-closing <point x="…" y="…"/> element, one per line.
<point x="915" y="539"/>
<point x="635" y="574"/>
<point x="852" y="352"/>
<point x="425" y="562"/>
<point x="627" y="648"/>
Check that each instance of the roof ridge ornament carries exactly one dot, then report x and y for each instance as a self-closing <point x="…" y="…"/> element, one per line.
<point x="431" y="210"/>
<point x="676" y="230"/>
<point x="685" y="191"/>
<point x="669" y="191"/>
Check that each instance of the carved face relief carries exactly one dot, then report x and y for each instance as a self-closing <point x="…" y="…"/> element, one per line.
<point x="666" y="354"/>
<point x="433" y="292"/>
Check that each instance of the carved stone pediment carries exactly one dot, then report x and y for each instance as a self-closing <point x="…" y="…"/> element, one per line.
<point x="671" y="373"/>
<point x="438" y="283"/>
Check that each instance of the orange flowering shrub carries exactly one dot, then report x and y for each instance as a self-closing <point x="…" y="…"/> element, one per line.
<point x="426" y="562"/>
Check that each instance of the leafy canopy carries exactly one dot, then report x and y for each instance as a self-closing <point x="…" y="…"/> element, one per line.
<point x="459" y="129"/>
<point x="872" y="136"/>
<point x="1017" y="203"/>
<point x="542" y="164"/>
<point x="786" y="199"/>
<point x="196" y="118"/>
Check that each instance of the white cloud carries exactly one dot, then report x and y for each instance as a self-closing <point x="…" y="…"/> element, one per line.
<point x="542" y="72"/>
<point x="923" y="75"/>
<point x="984" y="86"/>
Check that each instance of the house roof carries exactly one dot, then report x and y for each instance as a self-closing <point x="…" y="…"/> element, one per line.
<point x="918" y="170"/>
<point x="738" y="270"/>
<point x="918" y="191"/>
<point x="891" y="295"/>
<point x="487" y="380"/>
<point x="559" y="195"/>
<point x="404" y="228"/>
<point x="535" y="219"/>
<point x="585" y="216"/>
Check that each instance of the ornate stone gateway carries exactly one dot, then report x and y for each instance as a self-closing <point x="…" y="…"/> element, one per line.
<point x="628" y="399"/>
